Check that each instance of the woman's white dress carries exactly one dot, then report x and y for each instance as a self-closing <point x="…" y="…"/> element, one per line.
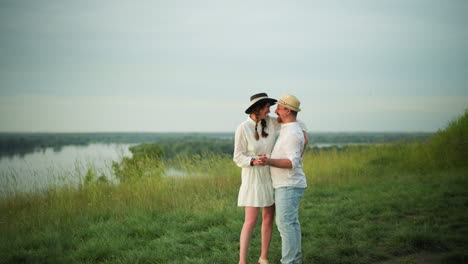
<point x="256" y="189"/>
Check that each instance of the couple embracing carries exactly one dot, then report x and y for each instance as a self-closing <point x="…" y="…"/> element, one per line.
<point x="272" y="176"/>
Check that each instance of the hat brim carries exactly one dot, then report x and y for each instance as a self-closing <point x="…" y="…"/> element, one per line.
<point x="290" y="107"/>
<point x="267" y="100"/>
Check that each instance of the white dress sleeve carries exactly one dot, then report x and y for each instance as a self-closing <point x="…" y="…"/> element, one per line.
<point x="240" y="156"/>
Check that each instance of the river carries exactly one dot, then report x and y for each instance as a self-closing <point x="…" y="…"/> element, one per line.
<point x="40" y="169"/>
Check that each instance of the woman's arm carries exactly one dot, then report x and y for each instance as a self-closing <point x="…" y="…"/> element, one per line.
<point x="306" y="141"/>
<point x="240" y="149"/>
<point x="306" y="136"/>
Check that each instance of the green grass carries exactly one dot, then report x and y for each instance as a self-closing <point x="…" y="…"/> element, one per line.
<point x="352" y="212"/>
<point x="373" y="204"/>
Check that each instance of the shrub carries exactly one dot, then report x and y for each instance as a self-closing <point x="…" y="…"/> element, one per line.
<point x="146" y="161"/>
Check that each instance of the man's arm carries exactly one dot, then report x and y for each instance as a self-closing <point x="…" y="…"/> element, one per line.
<point x="279" y="163"/>
<point x="306" y="141"/>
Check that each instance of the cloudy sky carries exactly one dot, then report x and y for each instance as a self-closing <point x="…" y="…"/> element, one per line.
<point x="191" y="66"/>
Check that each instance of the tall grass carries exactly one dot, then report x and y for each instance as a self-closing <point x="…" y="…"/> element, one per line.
<point x="363" y="205"/>
<point x="449" y="147"/>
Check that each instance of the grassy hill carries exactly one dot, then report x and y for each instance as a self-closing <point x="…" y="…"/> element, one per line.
<point x="386" y="203"/>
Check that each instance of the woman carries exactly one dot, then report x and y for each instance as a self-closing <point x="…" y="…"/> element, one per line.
<point x="255" y="137"/>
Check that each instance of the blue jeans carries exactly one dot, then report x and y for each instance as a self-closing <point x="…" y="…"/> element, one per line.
<point x="287" y="200"/>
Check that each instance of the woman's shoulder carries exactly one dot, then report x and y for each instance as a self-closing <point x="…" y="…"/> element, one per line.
<point x="273" y="122"/>
<point x="245" y="124"/>
<point x="270" y="120"/>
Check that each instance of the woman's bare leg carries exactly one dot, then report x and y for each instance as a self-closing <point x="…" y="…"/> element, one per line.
<point x="251" y="214"/>
<point x="268" y="216"/>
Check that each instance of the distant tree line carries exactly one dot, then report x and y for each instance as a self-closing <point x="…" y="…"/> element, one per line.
<point x="189" y="146"/>
<point x="368" y="137"/>
<point x="180" y="143"/>
<point x="24" y="143"/>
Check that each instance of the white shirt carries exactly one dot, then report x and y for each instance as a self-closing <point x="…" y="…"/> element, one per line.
<point x="290" y="145"/>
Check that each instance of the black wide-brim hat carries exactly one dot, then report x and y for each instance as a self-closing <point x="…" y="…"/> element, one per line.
<point x="258" y="99"/>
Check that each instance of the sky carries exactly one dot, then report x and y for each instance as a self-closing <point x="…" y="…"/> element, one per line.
<point x="191" y="66"/>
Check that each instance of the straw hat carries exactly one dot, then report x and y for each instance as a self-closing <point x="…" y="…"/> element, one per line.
<point x="257" y="99"/>
<point x="290" y="101"/>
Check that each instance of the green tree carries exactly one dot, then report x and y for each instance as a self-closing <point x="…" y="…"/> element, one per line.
<point x="146" y="161"/>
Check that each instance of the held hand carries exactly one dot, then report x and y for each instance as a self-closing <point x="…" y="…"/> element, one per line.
<point x="259" y="162"/>
<point x="265" y="160"/>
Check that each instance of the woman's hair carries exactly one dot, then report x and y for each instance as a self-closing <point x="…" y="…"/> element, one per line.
<point x="256" y="110"/>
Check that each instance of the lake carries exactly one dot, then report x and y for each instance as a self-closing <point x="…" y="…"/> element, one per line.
<point x="68" y="165"/>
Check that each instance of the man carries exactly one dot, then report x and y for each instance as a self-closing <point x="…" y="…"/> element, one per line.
<point x="289" y="180"/>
